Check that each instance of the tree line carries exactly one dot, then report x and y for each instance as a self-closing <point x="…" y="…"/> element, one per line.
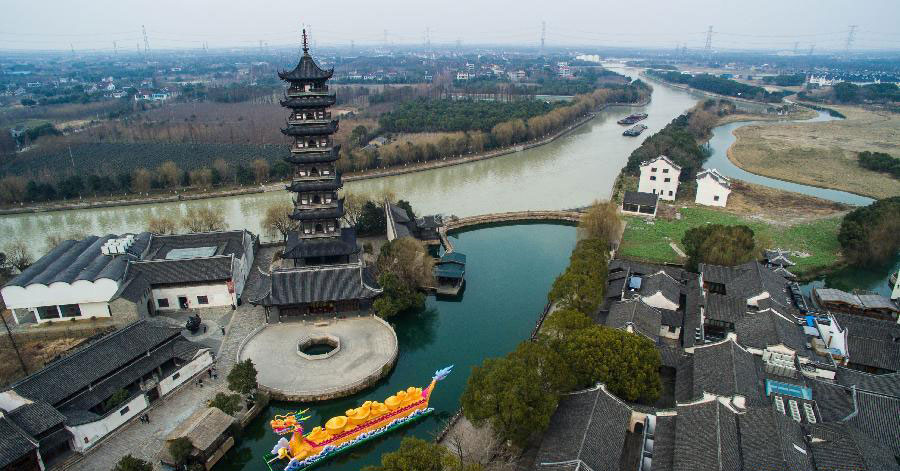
<point x="871" y="234"/>
<point x="852" y="94"/>
<point x="880" y="162"/>
<point x="722" y="86"/>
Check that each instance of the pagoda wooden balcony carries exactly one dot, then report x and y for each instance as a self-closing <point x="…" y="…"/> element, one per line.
<point x="315" y="92"/>
<point x="314" y="148"/>
<point x="310" y="205"/>
<point x="322" y="118"/>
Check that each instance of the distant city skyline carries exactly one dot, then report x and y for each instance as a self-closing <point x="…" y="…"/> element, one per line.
<point x="764" y="24"/>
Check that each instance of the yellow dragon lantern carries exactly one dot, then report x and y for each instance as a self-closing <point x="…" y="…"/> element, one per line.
<point x="340" y="433"/>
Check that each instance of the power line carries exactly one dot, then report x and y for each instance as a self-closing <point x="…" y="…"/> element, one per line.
<point x="850" y="35"/>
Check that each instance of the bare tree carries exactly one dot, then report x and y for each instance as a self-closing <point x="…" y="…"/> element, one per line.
<point x="161" y="225"/>
<point x="170" y="174"/>
<point x="278" y="219"/>
<point x="56" y="238"/>
<point x="260" y="170"/>
<point x="12" y="189"/>
<point x="140" y="180"/>
<point x="353" y="206"/>
<point x="221" y="166"/>
<point x="602" y="221"/>
<point x="17" y="255"/>
<point x="201" y="177"/>
<point x="408" y="259"/>
<point x="203" y="219"/>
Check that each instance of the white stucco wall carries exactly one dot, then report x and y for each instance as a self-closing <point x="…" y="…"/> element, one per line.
<point x="94" y="309"/>
<point x="217" y="294"/>
<point x="86" y="435"/>
<point x="241" y="266"/>
<point x="665" y="190"/>
<point x="202" y="362"/>
<point x="707" y="189"/>
<point x="657" y="300"/>
<point x="59" y="293"/>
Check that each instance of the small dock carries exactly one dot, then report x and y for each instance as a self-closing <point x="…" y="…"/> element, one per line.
<point x="450" y="273"/>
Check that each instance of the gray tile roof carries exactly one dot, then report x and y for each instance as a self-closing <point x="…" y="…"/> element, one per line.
<point x="318" y="284"/>
<point x="766" y="328"/>
<point x="36" y="418"/>
<point x="684" y="379"/>
<point x="769" y="440"/>
<point x="345" y="244"/>
<point x="644" y="319"/>
<point x="707" y="438"/>
<point x="588" y="426"/>
<point x="837" y="446"/>
<point x="872" y="342"/>
<point x="725" y="308"/>
<point x="14" y="444"/>
<point x="726" y="369"/>
<point x="663" y="158"/>
<point x="664" y="443"/>
<point x="225" y="242"/>
<point x="878" y="417"/>
<point x="718" y="177"/>
<point x="640" y="199"/>
<point x="692" y="322"/>
<point x="306" y="69"/>
<point x="644" y="269"/>
<point x="189" y="270"/>
<point x="65" y="377"/>
<point x="133" y="289"/>
<point x="662" y="283"/>
<point x="73" y="260"/>
<point x="887" y="384"/>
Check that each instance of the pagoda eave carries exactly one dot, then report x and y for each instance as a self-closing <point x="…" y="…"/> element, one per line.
<point x="311" y="130"/>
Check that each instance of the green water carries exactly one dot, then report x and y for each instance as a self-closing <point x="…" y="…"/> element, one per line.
<point x="508" y="274"/>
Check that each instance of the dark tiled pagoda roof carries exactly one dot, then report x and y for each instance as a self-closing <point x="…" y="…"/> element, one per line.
<point x="298" y="247"/>
<point x="588" y="427"/>
<point x="335" y="183"/>
<point x="191" y="270"/>
<point x="315" y="284"/>
<point x="726" y="369"/>
<point x="311" y="129"/>
<point x="644" y="319"/>
<point x="319" y="214"/>
<point x="314" y="101"/>
<point x="65" y="377"/>
<point x="306" y="69"/>
<point x="314" y="157"/>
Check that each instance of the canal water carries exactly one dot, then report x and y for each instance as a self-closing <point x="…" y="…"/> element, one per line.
<point x="570" y="172"/>
<point x="723" y="137"/>
<point x="508" y="274"/>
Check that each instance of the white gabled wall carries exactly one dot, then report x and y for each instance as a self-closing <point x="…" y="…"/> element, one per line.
<point x="655" y="181"/>
<point x="86" y="435"/>
<point x="167" y="384"/>
<point x="216" y="293"/>
<point x="707" y="191"/>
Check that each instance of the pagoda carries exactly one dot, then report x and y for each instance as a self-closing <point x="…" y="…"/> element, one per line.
<point x="319" y="238"/>
<point x="321" y="272"/>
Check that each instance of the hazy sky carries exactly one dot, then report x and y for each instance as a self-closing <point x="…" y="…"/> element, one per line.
<point x="95" y="24"/>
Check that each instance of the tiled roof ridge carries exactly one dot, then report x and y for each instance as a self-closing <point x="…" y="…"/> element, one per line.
<point x="588" y="425"/>
<point x="226" y="231"/>
<point x="165" y="260"/>
<point x="337" y="266"/>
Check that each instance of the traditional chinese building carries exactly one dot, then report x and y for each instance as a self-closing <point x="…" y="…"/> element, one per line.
<point x="322" y="272"/>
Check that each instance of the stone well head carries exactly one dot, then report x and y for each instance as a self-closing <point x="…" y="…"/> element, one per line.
<point x="318" y="346"/>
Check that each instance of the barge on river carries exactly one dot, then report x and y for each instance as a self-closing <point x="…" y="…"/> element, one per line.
<point x="343" y="432"/>
<point x="631" y="119"/>
<point x="634" y="130"/>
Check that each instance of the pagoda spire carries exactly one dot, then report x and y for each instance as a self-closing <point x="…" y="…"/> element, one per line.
<point x="305" y="42"/>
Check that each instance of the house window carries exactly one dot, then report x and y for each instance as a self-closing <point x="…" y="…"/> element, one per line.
<point x="665" y="170"/>
<point x="162" y="302"/>
<point x="653" y="177"/>
<point x="716" y="198"/>
<point x="670" y="192"/>
<point x="202" y="300"/>
<point x="652" y="169"/>
<point x="176" y="376"/>
<point x="667" y="179"/>
<point x="123" y="411"/>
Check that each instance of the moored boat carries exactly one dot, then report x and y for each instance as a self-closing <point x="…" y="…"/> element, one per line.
<point x="633" y="118"/>
<point x="635" y="130"/>
<point x="342" y="432"/>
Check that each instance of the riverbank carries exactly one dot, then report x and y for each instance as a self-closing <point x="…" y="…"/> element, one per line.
<point x="705" y="93"/>
<point x="189" y="195"/>
<point x="822" y="154"/>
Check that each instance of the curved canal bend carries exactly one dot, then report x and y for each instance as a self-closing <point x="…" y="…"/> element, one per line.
<point x="509" y="271"/>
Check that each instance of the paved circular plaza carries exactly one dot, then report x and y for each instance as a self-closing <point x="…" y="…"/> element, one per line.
<point x="368" y="349"/>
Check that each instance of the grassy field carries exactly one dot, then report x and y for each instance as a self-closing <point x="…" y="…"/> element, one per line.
<point x="823" y="154"/>
<point x="649" y="240"/>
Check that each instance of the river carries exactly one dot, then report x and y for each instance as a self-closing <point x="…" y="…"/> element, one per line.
<point x="504" y="296"/>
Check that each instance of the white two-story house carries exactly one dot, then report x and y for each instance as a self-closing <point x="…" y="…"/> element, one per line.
<point x="660" y="177"/>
